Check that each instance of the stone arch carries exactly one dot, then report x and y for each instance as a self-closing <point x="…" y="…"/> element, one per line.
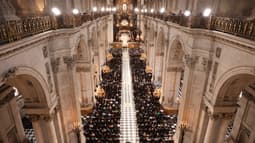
<point x="174" y="73"/>
<point x="31" y="85"/>
<point x="225" y="99"/>
<point x="81" y="51"/>
<point x="230" y="84"/>
<point x="175" y="54"/>
<point x="177" y="39"/>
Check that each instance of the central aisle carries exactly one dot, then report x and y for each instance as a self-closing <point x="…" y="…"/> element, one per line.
<point x="128" y="124"/>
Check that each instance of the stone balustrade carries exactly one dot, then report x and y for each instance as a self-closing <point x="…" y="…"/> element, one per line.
<point x="17" y="29"/>
<point x="235" y="26"/>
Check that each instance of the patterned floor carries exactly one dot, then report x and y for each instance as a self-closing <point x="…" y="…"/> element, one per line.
<point x="30" y="135"/>
<point x="128" y="123"/>
<point x="29" y="131"/>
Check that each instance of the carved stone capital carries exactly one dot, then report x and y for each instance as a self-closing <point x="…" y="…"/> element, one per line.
<point x="34" y="118"/>
<point x="213" y="116"/>
<point x="69" y="61"/>
<point x="206" y="64"/>
<point x="190" y="60"/>
<point x="48" y="117"/>
<point x="224" y="116"/>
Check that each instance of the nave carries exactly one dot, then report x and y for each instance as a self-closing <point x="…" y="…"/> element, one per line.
<point x="127" y="107"/>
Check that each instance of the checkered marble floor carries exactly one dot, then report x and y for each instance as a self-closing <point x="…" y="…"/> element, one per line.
<point x="128" y="123"/>
<point x="30" y="135"/>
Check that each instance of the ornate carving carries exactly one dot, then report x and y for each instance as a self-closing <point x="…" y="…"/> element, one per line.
<point x="34" y="117"/>
<point x="69" y="61"/>
<point x="47" y="117"/>
<point x="45" y="52"/>
<point x="190" y="61"/>
<point x="47" y="67"/>
<point x="9" y="74"/>
<point x="55" y="64"/>
<point x="216" y="116"/>
<point x="218" y="52"/>
<point x="206" y="63"/>
<point x="215" y="69"/>
<point x="82" y="69"/>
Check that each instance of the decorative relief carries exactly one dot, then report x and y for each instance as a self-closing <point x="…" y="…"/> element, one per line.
<point x="216" y="116"/>
<point x="49" y="79"/>
<point x="215" y="69"/>
<point x="45" y="117"/>
<point x="82" y="69"/>
<point x="69" y="61"/>
<point x="218" y="52"/>
<point x="206" y="63"/>
<point x="55" y="64"/>
<point x="9" y="74"/>
<point x="45" y="52"/>
<point x="34" y="118"/>
<point x="190" y="61"/>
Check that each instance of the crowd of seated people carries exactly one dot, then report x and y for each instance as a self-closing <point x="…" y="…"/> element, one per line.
<point x="153" y="124"/>
<point x="103" y="124"/>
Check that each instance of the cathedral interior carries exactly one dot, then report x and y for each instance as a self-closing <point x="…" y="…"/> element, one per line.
<point x="127" y="71"/>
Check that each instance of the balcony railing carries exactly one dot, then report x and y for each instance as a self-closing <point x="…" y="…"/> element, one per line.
<point x="17" y="29"/>
<point x="239" y="27"/>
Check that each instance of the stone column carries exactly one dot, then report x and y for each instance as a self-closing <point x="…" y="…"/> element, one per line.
<point x="210" y="132"/>
<point x="69" y="103"/>
<point x="35" y="119"/>
<point x="222" y="130"/>
<point x="58" y="125"/>
<point x="171" y="85"/>
<point x="203" y="122"/>
<point x="50" y="128"/>
<point x="217" y="126"/>
<point x="194" y="81"/>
